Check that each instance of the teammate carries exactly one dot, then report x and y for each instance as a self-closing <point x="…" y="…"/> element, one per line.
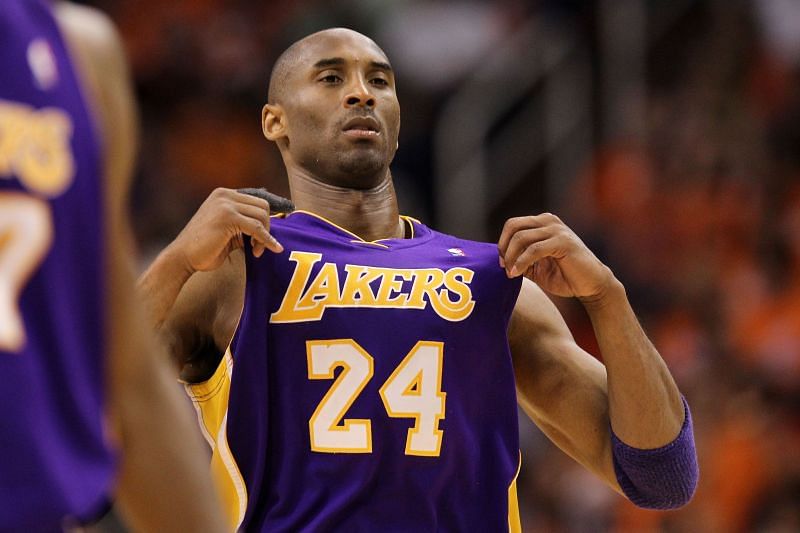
<point x="356" y="371"/>
<point x="80" y="377"/>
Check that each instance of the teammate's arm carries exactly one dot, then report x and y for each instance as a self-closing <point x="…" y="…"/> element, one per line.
<point x="163" y="482"/>
<point x="600" y="415"/>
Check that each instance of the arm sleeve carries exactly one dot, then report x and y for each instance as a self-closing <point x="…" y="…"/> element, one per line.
<point x="660" y="478"/>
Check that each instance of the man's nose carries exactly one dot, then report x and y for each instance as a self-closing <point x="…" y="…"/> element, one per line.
<point x="359" y="96"/>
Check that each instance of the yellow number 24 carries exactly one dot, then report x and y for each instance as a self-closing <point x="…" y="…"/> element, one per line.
<point x="412" y="391"/>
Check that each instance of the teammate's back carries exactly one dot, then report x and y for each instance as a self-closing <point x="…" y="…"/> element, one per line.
<point x="51" y="194"/>
<point x="77" y="369"/>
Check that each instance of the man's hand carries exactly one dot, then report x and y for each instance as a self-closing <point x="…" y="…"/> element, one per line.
<point x="549" y="253"/>
<point x="219" y="227"/>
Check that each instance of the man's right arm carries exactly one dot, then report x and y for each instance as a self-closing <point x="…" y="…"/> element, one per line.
<point x="194" y="290"/>
<point x="196" y="313"/>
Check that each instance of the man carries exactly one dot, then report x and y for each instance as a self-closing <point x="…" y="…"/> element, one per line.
<point x="352" y="366"/>
<point x="80" y="376"/>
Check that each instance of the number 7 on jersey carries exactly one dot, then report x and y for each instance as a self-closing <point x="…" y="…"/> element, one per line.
<point x="26" y="233"/>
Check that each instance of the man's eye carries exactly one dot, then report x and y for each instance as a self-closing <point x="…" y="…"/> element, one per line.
<point x="331" y="78"/>
<point x="379" y="81"/>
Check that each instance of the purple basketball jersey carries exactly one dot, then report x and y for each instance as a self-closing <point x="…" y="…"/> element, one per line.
<point x="369" y="386"/>
<point x="55" y="463"/>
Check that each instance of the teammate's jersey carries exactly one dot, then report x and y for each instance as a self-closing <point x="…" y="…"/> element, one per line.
<point x="369" y="386"/>
<point x="54" y="462"/>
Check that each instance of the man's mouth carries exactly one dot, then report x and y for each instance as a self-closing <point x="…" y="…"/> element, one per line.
<point x="362" y="127"/>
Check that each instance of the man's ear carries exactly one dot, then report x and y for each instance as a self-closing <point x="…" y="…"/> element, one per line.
<point x="273" y="122"/>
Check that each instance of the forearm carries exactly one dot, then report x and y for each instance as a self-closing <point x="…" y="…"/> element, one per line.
<point x="652" y="451"/>
<point x="164" y="482"/>
<point x="159" y="286"/>
<point x="652" y="439"/>
<point x="645" y="406"/>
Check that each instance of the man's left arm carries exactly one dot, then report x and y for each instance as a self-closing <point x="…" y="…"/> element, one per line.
<point x="652" y="446"/>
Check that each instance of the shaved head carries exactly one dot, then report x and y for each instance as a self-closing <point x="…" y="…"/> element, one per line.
<point x="333" y="109"/>
<point x="288" y="61"/>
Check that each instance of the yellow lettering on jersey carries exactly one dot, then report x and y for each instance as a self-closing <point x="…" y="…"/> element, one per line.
<point x="448" y="293"/>
<point x="426" y="281"/>
<point x="290" y="310"/>
<point x="35" y="147"/>
<point x="12" y="127"/>
<point x="324" y="290"/>
<point x="456" y="281"/>
<point x="356" y="290"/>
<point x="391" y="283"/>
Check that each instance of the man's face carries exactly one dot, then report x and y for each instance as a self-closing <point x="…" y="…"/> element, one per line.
<point x="341" y="110"/>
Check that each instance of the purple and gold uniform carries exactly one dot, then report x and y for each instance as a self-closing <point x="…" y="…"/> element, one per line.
<point x="368" y="387"/>
<point x="55" y="463"/>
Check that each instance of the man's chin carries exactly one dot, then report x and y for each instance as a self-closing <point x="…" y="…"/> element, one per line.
<point x="366" y="169"/>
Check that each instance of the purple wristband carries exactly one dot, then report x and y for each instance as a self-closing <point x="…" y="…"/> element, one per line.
<point x="661" y="478"/>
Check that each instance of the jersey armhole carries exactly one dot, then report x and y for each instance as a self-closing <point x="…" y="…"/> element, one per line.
<point x="210" y="400"/>
<point x="204" y="391"/>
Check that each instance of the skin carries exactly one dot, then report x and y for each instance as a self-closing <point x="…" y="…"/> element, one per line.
<point x="163" y="482"/>
<point x="569" y="394"/>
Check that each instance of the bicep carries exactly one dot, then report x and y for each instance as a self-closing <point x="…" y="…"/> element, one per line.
<point x="203" y="319"/>
<point x="560" y="387"/>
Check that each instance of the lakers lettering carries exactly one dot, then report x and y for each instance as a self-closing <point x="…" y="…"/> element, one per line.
<point x="447" y="292"/>
<point x="35" y="147"/>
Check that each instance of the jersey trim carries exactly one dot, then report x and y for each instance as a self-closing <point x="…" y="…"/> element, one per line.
<point x="410" y="221"/>
<point x="210" y="400"/>
<point x="514" y="524"/>
<point x="356" y="238"/>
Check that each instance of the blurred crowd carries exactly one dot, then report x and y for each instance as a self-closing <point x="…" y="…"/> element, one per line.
<point x="701" y="219"/>
<point x="699" y="215"/>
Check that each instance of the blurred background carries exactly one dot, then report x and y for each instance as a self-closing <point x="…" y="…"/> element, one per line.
<point x="665" y="132"/>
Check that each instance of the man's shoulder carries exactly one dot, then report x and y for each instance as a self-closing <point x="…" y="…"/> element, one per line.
<point x="463" y="243"/>
<point x="91" y="29"/>
<point x="283" y="222"/>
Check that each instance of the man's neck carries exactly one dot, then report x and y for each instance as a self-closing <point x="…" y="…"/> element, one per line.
<point x="372" y="214"/>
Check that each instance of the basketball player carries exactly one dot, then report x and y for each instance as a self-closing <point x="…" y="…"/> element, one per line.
<point x="356" y="370"/>
<point x="79" y="376"/>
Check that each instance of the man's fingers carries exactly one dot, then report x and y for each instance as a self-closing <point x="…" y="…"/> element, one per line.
<point x="516" y="224"/>
<point x="520" y="241"/>
<point x="512" y="226"/>
<point x="256" y="213"/>
<point x="530" y="255"/>
<point x="262" y="217"/>
<point x="247" y="199"/>
<point x="273" y="245"/>
<point x="240" y="198"/>
<point x="277" y="204"/>
<point x="258" y="233"/>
